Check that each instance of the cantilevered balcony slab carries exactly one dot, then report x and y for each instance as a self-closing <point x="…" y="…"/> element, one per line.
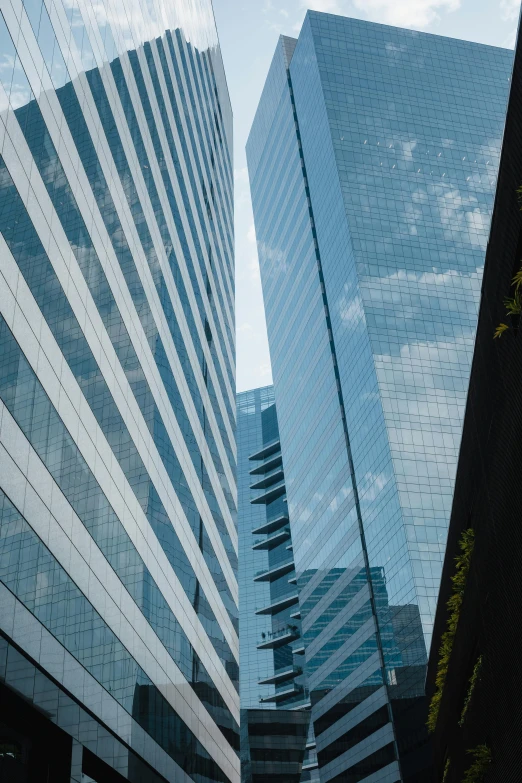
<point x="275" y="573"/>
<point x="266" y="451"/>
<point x="302" y="705"/>
<point x="271" y="494"/>
<point x="272" y="541"/>
<point x="279" y="639"/>
<point x="269" y="479"/>
<point x="282" y="676"/>
<point x="271" y="526"/>
<point x="278" y="606"/>
<point x="280" y="695"/>
<point x="267" y="465"/>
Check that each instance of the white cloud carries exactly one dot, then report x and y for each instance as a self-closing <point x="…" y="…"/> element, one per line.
<point x="407" y="13"/>
<point x="241" y="175"/>
<point x="326" y="6"/>
<point x="509" y="10"/>
<point x="251" y="234"/>
<point x="284" y="12"/>
<point x="253" y="266"/>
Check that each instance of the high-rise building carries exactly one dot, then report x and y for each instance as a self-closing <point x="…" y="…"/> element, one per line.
<point x="372" y="162"/>
<point x="473" y="672"/>
<point x="118" y="537"/>
<point x="277" y="744"/>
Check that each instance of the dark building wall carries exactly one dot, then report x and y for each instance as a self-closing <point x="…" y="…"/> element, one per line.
<point x="273" y="745"/>
<point x="488" y="498"/>
<point x="47" y="736"/>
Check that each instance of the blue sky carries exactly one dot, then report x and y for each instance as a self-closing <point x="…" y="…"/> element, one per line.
<point x="248" y="32"/>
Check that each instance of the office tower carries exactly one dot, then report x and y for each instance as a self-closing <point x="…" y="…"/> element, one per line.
<point x="475" y="714"/>
<point x="277" y="740"/>
<point x="118" y="539"/>
<point x="372" y="162"/>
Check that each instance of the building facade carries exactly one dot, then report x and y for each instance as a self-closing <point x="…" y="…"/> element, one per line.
<point x="476" y="716"/>
<point x="118" y="530"/>
<point x="278" y="745"/>
<point x="372" y="162"/>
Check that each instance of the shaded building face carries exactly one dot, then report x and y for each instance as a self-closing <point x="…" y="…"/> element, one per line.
<point x="118" y="539"/>
<point x="372" y="170"/>
<point x="473" y="665"/>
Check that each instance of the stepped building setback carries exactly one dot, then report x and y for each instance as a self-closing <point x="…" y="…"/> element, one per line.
<point x="277" y="739"/>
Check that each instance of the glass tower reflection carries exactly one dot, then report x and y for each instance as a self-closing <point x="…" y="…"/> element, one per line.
<point x="372" y="163"/>
<point x="118" y="513"/>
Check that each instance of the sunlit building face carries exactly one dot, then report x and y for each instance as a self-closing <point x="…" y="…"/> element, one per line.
<point x="372" y="163"/>
<point x="118" y="539"/>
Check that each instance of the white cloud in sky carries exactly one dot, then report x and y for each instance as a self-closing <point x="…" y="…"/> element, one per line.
<point x="509" y="10"/>
<point x="241" y="175"/>
<point x="326" y="6"/>
<point x="407" y="13"/>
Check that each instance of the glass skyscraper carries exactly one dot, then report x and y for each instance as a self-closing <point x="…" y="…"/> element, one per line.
<point x="279" y="745"/>
<point x="372" y="162"/>
<point x="118" y="536"/>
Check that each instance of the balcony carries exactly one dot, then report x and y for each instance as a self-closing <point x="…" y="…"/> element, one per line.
<point x="303" y="705"/>
<point x="275" y="491"/>
<point x="272" y="541"/>
<point x="274" y="573"/>
<point x="296" y="615"/>
<point x="269" y="478"/>
<point x="271" y="526"/>
<point x="266" y="451"/>
<point x="278" y="606"/>
<point x="281" y="695"/>
<point x="292" y="580"/>
<point x="299" y="650"/>
<point x="281" y="676"/>
<point x="276" y="639"/>
<point x="268" y="464"/>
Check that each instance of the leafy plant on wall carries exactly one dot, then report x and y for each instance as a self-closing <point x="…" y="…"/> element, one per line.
<point x="482" y="759"/>
<point x="462" y="566"/>
<point x="475" y="676"/>
<point x="513" y="305"/>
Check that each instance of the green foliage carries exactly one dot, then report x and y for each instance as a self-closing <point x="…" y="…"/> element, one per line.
<point x="499" y="331"/>
<point x="462" y="564"/>
<point x="513" y="304"/>
<point x="446" y="770"/>
<point x="475" y="676"/>
<point x="477" y="771"/>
